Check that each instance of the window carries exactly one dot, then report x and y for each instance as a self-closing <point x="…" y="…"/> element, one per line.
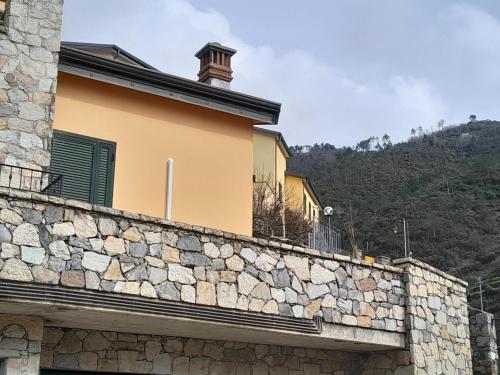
<point x="304" y="205"/>
<point x="310" y="212"/>
<point x="87" y="165"/>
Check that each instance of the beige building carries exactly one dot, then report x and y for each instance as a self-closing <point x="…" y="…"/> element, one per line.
<point x="119" y="121"/>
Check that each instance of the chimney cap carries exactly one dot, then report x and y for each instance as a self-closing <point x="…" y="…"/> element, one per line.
<point x="215" y="46"/>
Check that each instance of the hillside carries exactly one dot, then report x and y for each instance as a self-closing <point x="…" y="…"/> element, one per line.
<point x="445" y="183"/>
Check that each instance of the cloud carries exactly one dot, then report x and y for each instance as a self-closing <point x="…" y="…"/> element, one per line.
<point x="476" y="36"/>
<point x="323" y="101"/>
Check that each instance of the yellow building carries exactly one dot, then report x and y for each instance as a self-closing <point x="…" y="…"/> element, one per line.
<point x="118" y="121"/>
<point x="304" y="199"/>
<point x="270" y="157"/>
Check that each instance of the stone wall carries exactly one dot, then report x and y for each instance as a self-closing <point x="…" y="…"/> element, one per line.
<point x="66" y="243"/>
<point x="437" y="321"/>
<point x="29" y="46"/>
<point x="89" y="350"/>
<point x="20" y="344"/>
<point x="484" y="343"/>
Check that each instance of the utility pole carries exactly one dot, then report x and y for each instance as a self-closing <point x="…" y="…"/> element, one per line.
<point x="404" y="233"/>
<point x="481" y="293"/>
<point x="408" y="236"/>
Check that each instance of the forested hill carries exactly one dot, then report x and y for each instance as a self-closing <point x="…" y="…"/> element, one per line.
<point x="445" y="183"/>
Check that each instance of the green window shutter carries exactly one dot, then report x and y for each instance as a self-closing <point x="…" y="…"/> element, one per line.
<point x="103" y="188"/>
<point x="87" y="166"/>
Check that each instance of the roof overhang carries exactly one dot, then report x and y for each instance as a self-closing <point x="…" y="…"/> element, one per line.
<point x="76" y="62"/>
<point x="110" y="48"/>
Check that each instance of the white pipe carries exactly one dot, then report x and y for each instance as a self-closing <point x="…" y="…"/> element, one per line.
<point x="170" y="182"/>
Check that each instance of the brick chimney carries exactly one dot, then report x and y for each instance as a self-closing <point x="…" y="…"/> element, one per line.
<point x="215" y="65"/>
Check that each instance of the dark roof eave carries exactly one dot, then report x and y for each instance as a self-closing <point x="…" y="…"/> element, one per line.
<point x="114" y="47"/>
<point x="90" y="66"/>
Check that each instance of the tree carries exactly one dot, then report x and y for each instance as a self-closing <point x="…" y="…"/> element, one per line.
<point x="365" y="145"/>
<point x="275" y="213"/>
<point x="441" y="124"/>
<point x="386" y="141"/>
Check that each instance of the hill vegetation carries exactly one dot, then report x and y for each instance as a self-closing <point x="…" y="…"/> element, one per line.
<point x="445" y="183"/>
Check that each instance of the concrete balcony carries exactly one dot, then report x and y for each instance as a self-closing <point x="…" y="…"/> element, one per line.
<point x="76" y="266"/>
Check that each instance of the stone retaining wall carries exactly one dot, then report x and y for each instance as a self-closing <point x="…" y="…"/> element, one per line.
<point x="29" y="52"/>
<point x="20" y="344"/>
<point x="88" y="350"/>
<point x="484" y="343"/>
<point x="437" y="321"/>
<point x="76" y="245"/>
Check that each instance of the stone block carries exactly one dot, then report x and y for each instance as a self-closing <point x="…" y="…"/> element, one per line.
<point x="189" y="243"/>
<point x="15" y="269"/>
<point x="95" y="262"/>
<point x="74" y="279"/>
<point x="84" y="225"/>
<point x="32" y="255"/>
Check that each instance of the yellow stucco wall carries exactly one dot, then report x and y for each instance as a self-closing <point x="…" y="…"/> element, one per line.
<point x="212" y="152"/>
<point x="296" y="187"/>
<point x="264" y="163"/>
<point x="314" y="215"/>
<point x="280" y="165"/>
<point x="269" y="158"/>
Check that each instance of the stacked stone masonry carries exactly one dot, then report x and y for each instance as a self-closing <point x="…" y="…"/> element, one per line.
<point x="437" y="321"/>
<point x="49" y="240"/>
<point x="484" y="343"/>
<point x="29" y="47"/>
<point x="71" y="349"/>
<point x="20" y="344"/>
<point x="69" y="246"/>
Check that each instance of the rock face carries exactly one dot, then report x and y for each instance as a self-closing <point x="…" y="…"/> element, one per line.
<point x="29" y="47"/>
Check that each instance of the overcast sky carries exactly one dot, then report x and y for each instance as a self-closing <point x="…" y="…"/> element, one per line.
<point x="343" y="70"/>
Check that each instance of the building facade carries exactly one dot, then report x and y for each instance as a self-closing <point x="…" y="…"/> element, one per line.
<point x="87" y="287"/>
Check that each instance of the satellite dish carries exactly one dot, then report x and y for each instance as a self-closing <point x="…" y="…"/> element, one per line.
<point x="328" y="211"/>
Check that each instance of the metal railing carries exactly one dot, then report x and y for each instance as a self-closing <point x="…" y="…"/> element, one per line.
<point x="324" y="238"/>
<point x="30" y="180"/>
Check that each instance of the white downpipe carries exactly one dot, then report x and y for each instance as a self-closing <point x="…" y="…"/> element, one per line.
<point x="170" y="183"/>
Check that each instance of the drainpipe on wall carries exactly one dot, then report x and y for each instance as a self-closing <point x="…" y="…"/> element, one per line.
<point x="170" y="181"/>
